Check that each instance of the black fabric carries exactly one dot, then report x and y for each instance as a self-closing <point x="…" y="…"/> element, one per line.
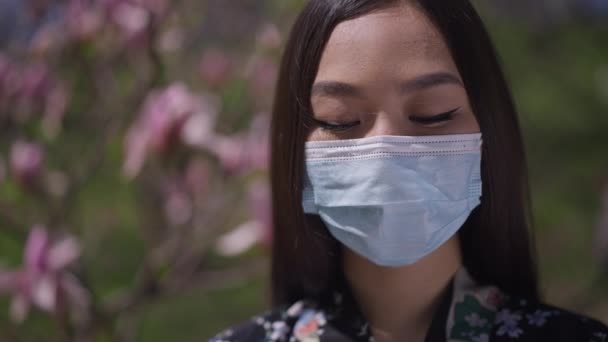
<point x="338" y="319"/>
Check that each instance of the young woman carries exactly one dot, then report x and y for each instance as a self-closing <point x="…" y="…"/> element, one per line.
<point x="399" y="185"/>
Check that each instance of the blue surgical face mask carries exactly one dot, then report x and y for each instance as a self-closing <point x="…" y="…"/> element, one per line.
<point x="393" y="199"/>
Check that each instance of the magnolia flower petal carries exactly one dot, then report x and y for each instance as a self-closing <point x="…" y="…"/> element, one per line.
<point x="132" y="19"/>
<point x="240" y="239"/>
<point x="63" y="253"/>
<point x="83" y="20"/>
<point x="269" y="36"/>
<point x="136" y="150"/>
<point x="26" y="160"/>
<point x="20" y="306"/>
<point x="75" y="292"/>
<point x="178" y="207"/>
<point x="198" y="130"/>
<point x="8" y="281"/>
<point x="36" y="248"/>
<point x="231" y="151"/>
<point x="44" y="293"/>
<point x="180" y="100"/>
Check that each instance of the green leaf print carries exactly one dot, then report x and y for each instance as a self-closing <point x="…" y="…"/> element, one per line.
<point x="471" y="319"/>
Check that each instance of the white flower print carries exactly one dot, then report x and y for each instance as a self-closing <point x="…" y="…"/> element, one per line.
<point x="510" y="322"/>
<point x="538" y="318"/>
<point x="309" y="328"/>
<point x="223" y="337"/>
<point x="475" y="320"/>
<point x="512" y="330"/>
<point x="259" y="320"/>
<point x="364" y="329"/>
<point x="295" y="309"/>
<point x="603" y="337"/>
<point x="481" y="338"/>
<point x="278" y="331"/>
<point x="507" y="317"/>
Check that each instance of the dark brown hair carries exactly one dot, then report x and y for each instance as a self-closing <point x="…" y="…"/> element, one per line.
<point x="495" y="240"/>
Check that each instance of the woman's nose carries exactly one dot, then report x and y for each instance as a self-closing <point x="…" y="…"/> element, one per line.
<point x="393" y="123"/>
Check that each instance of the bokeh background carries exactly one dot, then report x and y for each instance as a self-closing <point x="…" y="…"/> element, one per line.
<point x="134" y="200"/>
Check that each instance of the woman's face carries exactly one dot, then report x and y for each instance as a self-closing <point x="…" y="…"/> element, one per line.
<point x="389" y="73"/>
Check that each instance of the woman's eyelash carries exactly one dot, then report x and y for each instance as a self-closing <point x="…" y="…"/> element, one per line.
<point x="335" y="127"/>
<point x="427" y="120"/>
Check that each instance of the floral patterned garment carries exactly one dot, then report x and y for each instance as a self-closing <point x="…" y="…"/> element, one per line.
<point x="468" y="313"/>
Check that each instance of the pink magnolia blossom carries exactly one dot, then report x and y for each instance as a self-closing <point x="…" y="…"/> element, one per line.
<point x="198" y="130"/>
<point x="231" y="153"/>
<point x="244" y="153"/>
<point x="33" y="89"/>
<point x="33" y="85"/>
<point x="83" y="19"/>
<point x="26" y="161"/>
<point x="269" y="36"/>
<point x="239" y="240"/>
<point x="181" y="192"/>
<point x="178" y="203"/>
<point x="133" y="16"/>
<point x="162" y="123"/>
<point x="43" y="281"/>
<point x="215" y="67"/>
<point x="256" y="230"/>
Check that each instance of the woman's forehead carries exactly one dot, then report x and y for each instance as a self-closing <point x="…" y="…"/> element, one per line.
<point x="396" y="40"/>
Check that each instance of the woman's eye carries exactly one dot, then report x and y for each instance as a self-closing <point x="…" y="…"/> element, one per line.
<point x="429" y="120"/>
<point x="337" y="127"/>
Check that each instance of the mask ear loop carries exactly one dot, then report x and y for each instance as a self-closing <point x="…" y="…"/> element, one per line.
<point x="475" y="185"/>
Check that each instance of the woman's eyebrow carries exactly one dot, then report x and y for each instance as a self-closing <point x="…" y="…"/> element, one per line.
<point x="429" y="81"/>
<point x="341" y="89"/>
<point x="335" y="89"/>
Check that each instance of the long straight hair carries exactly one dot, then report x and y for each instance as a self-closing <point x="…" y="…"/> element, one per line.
<point x="496" y="240"/>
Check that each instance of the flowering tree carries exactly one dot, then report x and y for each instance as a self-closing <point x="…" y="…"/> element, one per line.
<point x="118" y="116"/>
